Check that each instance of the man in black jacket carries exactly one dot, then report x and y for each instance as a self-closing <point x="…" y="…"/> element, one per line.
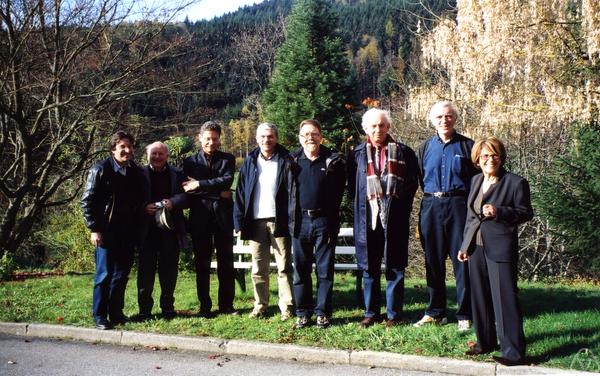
<point x="316" y="186"/>
<point x="261" y="215"/>
<point x="210" y="173"/>
<point x="111" y="203"/>
<point x="162" y="230"/>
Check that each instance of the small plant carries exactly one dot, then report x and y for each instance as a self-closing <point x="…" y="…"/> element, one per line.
<point x="7" y="267"/>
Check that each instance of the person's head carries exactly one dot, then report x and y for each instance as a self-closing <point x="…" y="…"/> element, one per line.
<point x="488" y="155"/>
<point x="443" y="116"/>
<point x="266" y="137"/>
<point x="210" y="137"/>
<point x="376" y="123"/>
<point x="310" y="136"/>
<point x="158" y="155"/>
<point x="122" y="147"/>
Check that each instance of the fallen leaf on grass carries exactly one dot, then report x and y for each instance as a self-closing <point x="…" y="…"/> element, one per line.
<point x="418" y="351"/>
<point x="59" y="319"/>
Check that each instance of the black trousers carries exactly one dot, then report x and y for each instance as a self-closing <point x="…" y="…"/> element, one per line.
<point x="160" y="251"/>
<point x="494" y="298"/>
<point x="204" y="243"/>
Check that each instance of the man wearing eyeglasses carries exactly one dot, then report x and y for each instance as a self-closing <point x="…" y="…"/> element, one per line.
<point x="316" y="186"/>
<point x="445" y="173"/>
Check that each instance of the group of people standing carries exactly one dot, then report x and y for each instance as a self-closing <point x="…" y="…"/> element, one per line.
<point x="288" y="203"/>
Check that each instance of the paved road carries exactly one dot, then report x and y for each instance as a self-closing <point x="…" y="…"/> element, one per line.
<point x="37" y="356"/>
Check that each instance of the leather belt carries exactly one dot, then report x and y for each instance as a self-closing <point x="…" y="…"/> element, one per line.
<point x="313" y="213"/>
<point x="445" y="194"/>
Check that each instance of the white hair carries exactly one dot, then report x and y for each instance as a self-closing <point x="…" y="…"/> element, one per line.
<point x="157" y="144"/>
<point x="440" y="105"/>
<point x="372" y="115"/>
<point x="270" y="126"/>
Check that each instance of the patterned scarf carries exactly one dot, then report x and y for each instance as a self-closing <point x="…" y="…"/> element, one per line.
<point x="395" y="174"/>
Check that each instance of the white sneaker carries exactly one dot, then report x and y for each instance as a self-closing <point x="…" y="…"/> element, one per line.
<point x="426" y="320"/>
<point x="464" y="325"/>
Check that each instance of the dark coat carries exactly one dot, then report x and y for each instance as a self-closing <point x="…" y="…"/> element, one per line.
<point x="98" y="195"/>
<point x="397" y="209"/>
<point x="335" y="181"/>
<point x="244" y="194"/>
<point x="178" y="199"/>
<point x="206" y="202"/>
<point x="511" y="198"/>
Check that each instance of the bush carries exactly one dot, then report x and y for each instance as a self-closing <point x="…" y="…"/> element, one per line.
<point x="7" y="267"/>
<point x="569" y="198"/>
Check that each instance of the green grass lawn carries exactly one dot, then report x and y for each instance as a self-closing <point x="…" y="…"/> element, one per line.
<point x="562" y="322"/>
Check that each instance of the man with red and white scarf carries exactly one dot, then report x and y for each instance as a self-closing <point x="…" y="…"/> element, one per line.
<point x="382" y="177"/>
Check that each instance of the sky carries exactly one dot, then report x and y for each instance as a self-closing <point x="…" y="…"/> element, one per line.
<point x="208" y="9"/>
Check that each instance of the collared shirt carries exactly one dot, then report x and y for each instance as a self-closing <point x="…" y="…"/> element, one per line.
<point x="312" y="189"/>
<point x="266" y="187"/>
<point x="118" y="168"/>
<point x="443" y="164"/>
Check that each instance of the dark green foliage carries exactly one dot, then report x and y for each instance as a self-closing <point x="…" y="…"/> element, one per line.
<point x="569" y="197"/>
<point x="312" y="76"/>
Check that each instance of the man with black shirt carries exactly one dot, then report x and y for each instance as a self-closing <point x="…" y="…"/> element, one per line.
<point x="316" y="186"/>
<point x="111" y="203"/>
<point x="162" y="230"/>
<point x="210" y="175"/>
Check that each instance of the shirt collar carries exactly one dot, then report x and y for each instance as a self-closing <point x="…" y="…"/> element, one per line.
<point x="118" y="168"/>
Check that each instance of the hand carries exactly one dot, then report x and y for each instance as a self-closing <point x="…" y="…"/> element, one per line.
<point x="225" y="194"/>
<point x="168" y="204"/>
<point x="488" y="211"/>
<point x="96" y="239"/>
<point x="190" y="185"/>
<point x="150" y="209"/>
<point x="462" y="256"/>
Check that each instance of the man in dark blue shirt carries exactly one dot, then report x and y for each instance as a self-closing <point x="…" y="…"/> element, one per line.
<point x="445" y="174"/>
<point x="316" y="186"/>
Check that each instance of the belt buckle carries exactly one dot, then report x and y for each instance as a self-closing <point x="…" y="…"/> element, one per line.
<point x="438" y="194"/>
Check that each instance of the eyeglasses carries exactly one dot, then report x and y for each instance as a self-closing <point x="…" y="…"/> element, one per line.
<point x="485" y="157"/>
<point x="309" y="135"/>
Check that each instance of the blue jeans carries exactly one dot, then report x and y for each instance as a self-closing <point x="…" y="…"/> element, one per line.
<point x="112" y="272"/>
<point x="441" y="225"/>
<point x="394" y="290"/>
<point x="313" y="244"/>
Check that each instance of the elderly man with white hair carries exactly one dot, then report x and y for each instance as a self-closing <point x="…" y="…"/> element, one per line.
<point x="260" y="213"/>
<point x="162" y="231"/>
<point x="383" y="180"/>
<point x="445" y="172"/>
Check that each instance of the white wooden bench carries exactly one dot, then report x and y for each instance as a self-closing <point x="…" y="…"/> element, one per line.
<point x="243" y="254"/>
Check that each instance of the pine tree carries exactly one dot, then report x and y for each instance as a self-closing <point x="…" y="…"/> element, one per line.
<point x="312" y="76"/>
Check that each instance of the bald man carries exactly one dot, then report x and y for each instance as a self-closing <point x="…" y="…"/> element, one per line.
<point x="161" y="239"/>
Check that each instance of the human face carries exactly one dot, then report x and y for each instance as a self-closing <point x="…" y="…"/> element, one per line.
<point x="443" y="120"/>
<point x="210" y="141"/>
<point x="310" y="138"/>
<point x="123" y="151"/>
<point x="266" y="140"/>
<point x="489" y="162"/>
<point x="158" y="157"/>
<point x="378" y="129"/>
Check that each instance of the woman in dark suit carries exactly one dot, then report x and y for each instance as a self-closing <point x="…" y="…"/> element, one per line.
<point x="498" y="202"/>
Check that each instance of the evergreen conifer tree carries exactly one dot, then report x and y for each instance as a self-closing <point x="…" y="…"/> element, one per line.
<point x="312" y="76"/>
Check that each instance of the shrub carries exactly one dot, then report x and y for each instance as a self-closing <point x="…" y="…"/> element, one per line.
<point x="7" y="267"/>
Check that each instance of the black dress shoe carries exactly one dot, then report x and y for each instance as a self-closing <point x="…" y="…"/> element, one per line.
<point x="474" y="352"/>
<point x="228" y="311"/>
<point x="368" y="321"/>
<point x="168" y="315"/>
<point x="119" y="320"/>
<point x="103" y="324"/>
<point x="206" y="314"/>
<point x="507" y="362"/>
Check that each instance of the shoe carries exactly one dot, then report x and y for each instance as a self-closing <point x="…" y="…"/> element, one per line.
<point x="426" y="320"/>
<point x="464" y="325"/>
<point x="140" y="317"/>
<point x="391" y="322"/>
<point x="323" y="322"/>
<point x="367" y="321"/>
<point x="302" y="322"/>
<point x="229" y="311"/>
<point x="256" y="314"/>
<point x="475" y="351"/>
<point x="507" y="362"/>
<point x="168" y="315"/>
<point x="286" y="315"/>
<point x="119" y="320"/>
<point x="103" y="324"/>
<point x="206" y="313"/>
